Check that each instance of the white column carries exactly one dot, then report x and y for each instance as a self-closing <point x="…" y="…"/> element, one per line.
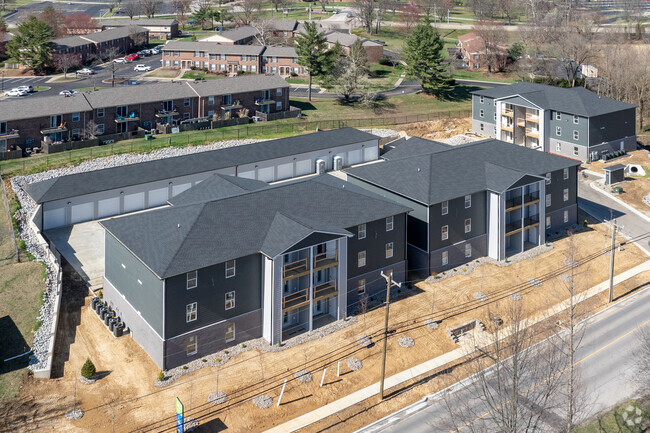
<point x="311" y="288"/>
<point x="498" y="120"/>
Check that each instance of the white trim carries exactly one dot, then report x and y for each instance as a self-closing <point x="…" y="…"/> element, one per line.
<point x="226" y="300"/>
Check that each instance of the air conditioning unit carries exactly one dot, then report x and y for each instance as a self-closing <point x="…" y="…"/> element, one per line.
<point x="338" y="163"/>
<point x="320" y="166"/>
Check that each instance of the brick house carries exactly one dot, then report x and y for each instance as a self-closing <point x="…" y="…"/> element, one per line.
<point x="100" y="44"/>
<point x="472" y="48"/>
<point x="227" y="59"/>
<point x="282" y="61"/>
<point x="160" y="28"/>
<point x="374" y="50"/>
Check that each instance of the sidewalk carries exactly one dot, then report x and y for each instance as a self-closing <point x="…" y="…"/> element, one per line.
<point x="433" y="364"/>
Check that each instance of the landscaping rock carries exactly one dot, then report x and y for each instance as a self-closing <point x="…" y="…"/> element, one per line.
<point x="190" y="424"/>
<point x="73" y="414"/>
<point x="515" y="296"/>
<point x="263" y="401"/>
<point x="364" y="341"/>
<point x="88" y="381"/>
<point x="354" y="363"/>
<point x="431" y="324"/>
<point x="406" y="341"/>
<point x="535" y="282"/>
<point x="303" y="376"/>
<point x="217" y="397"/>
<point x="480" y="296"/>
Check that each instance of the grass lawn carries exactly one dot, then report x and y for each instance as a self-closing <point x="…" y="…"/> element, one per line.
<point x="481" y="76"/>
<point x="393" y="38"/>
<point x="384" y="77"/>
<point x="21" y="285"/>
<point x="191" y="75"/>
<point x="614" y="421"/>
<point x="297" y="80"/>
<point x="41" y="88"/>
<point x="68" y="79"/>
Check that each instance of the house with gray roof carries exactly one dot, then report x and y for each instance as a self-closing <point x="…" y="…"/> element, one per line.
<point x="234" y="259"/>
<point x="487" y="198"/>
<point x="573" y="122"/>
<point x="374" y="50"/>
<point x="161" y="28"/>
<point x="101" y="44"/>
<point x="237" y="36"/>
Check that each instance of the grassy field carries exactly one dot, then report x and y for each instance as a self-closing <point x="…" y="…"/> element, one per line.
<point x="614" y="421"/>
<point x="21" y="285"/>
<point x="192" y="75"/>
<point x="481" y="76"/>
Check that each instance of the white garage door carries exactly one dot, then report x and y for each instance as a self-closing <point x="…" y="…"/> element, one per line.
<point x="133" y="202"/>
<point x="108" y="207"/>
<point x="247" y="174"/>
<point x="158" y="197"/>
<point x="177" y="189"/>
<point x="82" y="212"/>
<point x="285" y="171"/>
<point x="53" y="218"/>
<point x="370" y="154"/>
<point x="303" y="167"/>
<point x="266" y="174"/>
<point x="355" y="157"/>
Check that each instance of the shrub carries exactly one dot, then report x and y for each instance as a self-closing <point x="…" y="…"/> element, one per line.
<point x="185" y="367"/>
<point x="243" y="345"/>
<point x="293" y="74"/>
<point x="226" y="352"/>
<point x="100" y="293"/>
<point x="218" y="359"/>
<point x="161" y="376"/>
<point x="204" y="360"/>
<point x="22" y="245"/>
<point x="37" y="325"/>
<point x="385" y="61"/>
<point x="88" y="370"/>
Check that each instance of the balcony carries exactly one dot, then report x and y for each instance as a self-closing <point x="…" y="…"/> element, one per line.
<point x="11" y="133"/>
<point x="235" y="106"/>
<point x="514" y="227"/>
<point x="325" y="290"/>
<point x="507" y="127"/>
<point x="531" y="198"/>
<point x="59" y="128"/>
<point x="532" y="132"/>
<point x="295" y="269"/>
<point x="531" y="221"/>
<point x="521" y="121"/>
<point x="165" y="113"/>
<point x="301" y="297"/>
<point x="133" y="116"/>
<point x="507" y="112"/>
<point x="513" y="203"/>
<point x="326" y="260"/>
<point x="532" y="118"/>
<point x="264" y="101"/>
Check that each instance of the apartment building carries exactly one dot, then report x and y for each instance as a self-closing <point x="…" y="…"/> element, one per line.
<point x="487" y="198"/>
<point x="160" y="28"/>
<point x="29" y="122"/>
<point x="573" y="122"/>
<point x="241" y="260"/>
<point x="102" y="44"/>
<point x="282" y="61"/>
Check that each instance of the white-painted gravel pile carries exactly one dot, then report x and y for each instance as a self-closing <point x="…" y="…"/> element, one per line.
<point x="364" y="341"/>
<point x="73" y="414"/>
<point x="381" y="132"/>
<point x="263" y="401"/>
<point x="431" y="324"/>
<point x="406" y="342"/>
<point x="303" y="376"/>
<point x="217" y="397"/>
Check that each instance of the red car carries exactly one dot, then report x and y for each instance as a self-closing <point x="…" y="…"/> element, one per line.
<point x="132" y="57"/>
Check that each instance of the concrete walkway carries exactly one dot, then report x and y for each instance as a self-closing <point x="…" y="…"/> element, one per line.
<point x="433" y="364"/>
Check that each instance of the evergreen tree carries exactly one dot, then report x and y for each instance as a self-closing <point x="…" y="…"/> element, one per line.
<point x="311" y="47"/>
<point x="31" y="44"/>
<point x="88" y="369"/>
<point x="423" y="55"/>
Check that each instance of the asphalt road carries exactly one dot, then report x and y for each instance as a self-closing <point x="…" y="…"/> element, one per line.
<point x="605" y="359"/>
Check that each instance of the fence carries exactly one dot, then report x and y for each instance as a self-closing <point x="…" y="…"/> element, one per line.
<point x="69" y="145"/>
<point x="11" y="154"/>
<point x="292" y="113"/>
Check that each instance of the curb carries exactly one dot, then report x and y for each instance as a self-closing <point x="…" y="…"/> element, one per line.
<point x="621" y="202"/>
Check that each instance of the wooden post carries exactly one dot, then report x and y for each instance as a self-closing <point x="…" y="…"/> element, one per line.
<point x="323" y="378"/>
<point x="282" y="392"/>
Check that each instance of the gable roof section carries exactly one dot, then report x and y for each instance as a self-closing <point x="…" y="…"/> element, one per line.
<point x="27" y="108"/>
<point x="214" y="48"/>
<point x="575" y="100"/>
<point x="216" y="187"/>
<point x="466" y="169"/>
<point x="143" y="22"/>
<point x="135" y="174"/>
<point x="415" y="146"/>
<point x="347" y="39"/>
<point x="267" y="221"/>
<point x="116" y="33"/>
<point x="238" y="33"/>
<point x="280" y="52"/>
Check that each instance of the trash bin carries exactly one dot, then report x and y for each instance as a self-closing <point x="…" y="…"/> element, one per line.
<point x="118" y="329"/>
<point x="112" y="323"/>
<point x="95" y="300"/>
<point x="147" y="137"/>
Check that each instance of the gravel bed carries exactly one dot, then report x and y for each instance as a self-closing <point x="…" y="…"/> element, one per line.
<point x="364" y="341"/>
<point x="406" y="342"/>
<point x="190" y="424"/>
<point x="381" y="132"/>
<point x="354" y="363"/>
<point x="480" y="296"/>
<point x="459" y="139"/>
<point x="431" y="324"/>
<point x="468" y="268"/>
<point x="515" y="296"/>
<point x="535" y="282"/>
<point x="73" y="414"/>
<point x="263" y="401"/>
<point x="88" y="381"/>
<point x="303" y="376"/>
<point x="217" y="397"/>
<point x="646" y="199"/>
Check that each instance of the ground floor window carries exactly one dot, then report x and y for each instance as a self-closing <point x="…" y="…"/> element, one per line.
<point x="445" y="258"/>
<point x="548" y="222"/>
<point x="361" y="286"/>
<point x="566" y="216"/>
<point x="230" y="332"/>
<point x="191" y="346"/>
<point x="468" y="250"/>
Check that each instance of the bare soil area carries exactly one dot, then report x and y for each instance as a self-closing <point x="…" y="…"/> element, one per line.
<point x="438" y="129"/>
<point x="126" y="397"/>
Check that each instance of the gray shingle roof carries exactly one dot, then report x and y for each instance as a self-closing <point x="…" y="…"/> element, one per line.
<point x="27" y="108"/>
<point x="447" y="174"/>
<point x="135" y="174"/>
<point x="280" y="52"/>
<point x="239" y="33"/>
<point x="144" y="22"/>
<point x="347" y="39"/>
<point x="70" y="42"/>
<point x="267" y="221"/>
<point x="282" y="25"/>
<point x="216" y="187"/>
<point x="575" y="100"/>
<point x="116" y="33"/>
<point x="245" y="83"/>
<point x="414" y="146"/>
<point x="213" y="48"/>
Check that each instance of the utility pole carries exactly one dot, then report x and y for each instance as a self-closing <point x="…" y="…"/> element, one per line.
<point x="611" y="260"/>
<point x="389" y="282"/>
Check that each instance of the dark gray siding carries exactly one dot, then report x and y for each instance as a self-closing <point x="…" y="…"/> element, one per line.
<point x="557" y="186"/>
<point x="487" y="106"/>
<point x="417" y="232"/>
<point x="210" y="295"/>
<point x="456" y="254"/>
<point x="375" y="286"/>
<point x="455" y="219"/>
<point x="567" y="128"/>
<point x="557" y="220"/>
<point x="374" y="245"/>
<point x="147" y="298"/>
<point x="313" y="239"/>
<point x="612" y="126"/>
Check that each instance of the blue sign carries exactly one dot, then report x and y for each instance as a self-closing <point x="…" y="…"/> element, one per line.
<point x="179" y="416"/>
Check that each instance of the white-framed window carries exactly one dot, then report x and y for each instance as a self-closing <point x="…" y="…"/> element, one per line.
<point x="244" y="68"/>
<point x="211" y="99"/>
<point x="222" y="57"/>
<point x="191" y="345"/>
<point x="548" y="200"/>
<point x="576" y="119"/>
<point x="253" y="68"/>
<point x="192" y="279"/>
<point x="230" y="332"/>
<point x="100" y="128"/>
<point x="547" y="178"/>
<point x="444" y="233"/>
<point x="100" y="113"/>
<point x="390" y="222"/>
<point x="481" y="113"/>
<point x="576" y="135"/>
<point x="361" y="231"/>
<point x="468" y="201"/>
<point x="279" y="92"/>
<point x="558" y="146"/>
<point x="548" y="222"/>
<point x="230" y="268"/>
<point x="566" y="216"/>
<point x="230" y="300"/>
<point x="575" y="151"/>
<point x="222" y="67"/>
<point x="361" y="259"/>
<point x="75" y="117"/>
<point x="190" y="312"/>
<point x="565" y="174"/>
<point x="482" y="99"/>
<point x="558" y="115"/>
<point x="468" y="250"/>
<point x="468" y="225"/>
<point x="566" y="194"/>
<point x="278" y="106"/>
<point x="445" y="207"/>
<point x="558" y="131"/>
<point x="361" y="286"/>
<point x="244" y="58"/>
<point x="187" y="102"/>
<point x="445" y="258"/>
<point x="389" y="250"/>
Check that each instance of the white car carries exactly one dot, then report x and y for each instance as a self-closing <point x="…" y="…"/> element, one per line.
<point x="142" y="68"/>
<point x="26" y="89"/>
<point x="66" y="92"/>
<point x="120" y="60"/>
<point x="85" y="71"/>
<point x="15" y="92"/>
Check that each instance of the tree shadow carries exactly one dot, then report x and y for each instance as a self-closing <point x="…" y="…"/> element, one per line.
<point x="459" y="93"/>
<point x="12" y="344"/>
<point x="303" y="105"/>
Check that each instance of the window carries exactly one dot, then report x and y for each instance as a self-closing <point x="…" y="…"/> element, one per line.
<point x="274" y="69"/>
<point x="548" y="222"/>
<point x="390" y="221"/>
<point x="278" y="106"/>
<point x="100" y="112"/>
<point x="481" y="127"/>
<point x="168" y="63"/>
<point x="575" y="151"/>
<point x="576" y="135"/>
<point x="244" y="68"/>
<point x="558" y="131"/>
<point x="361" y="259"/>
<point x="482" y="99"/>
<point x="211" y="100"/>
<point x="548" y="200"/>
<point x="197" y="54"/>
<point x="565" y="174"/>
<point x="187" y="102"/>
<point x="222" y="57"/>
<point x="244" y="58"/>
<point x="177" y="53"/>
<point x="445" y="233"/>
<point x="576" y="119"/>
<point x="279" y="92"/>
<point x="197" y="64"/>
<point x="75" y="117"/>
<point x="468" y="225"/>
<point x="468" y="201"/>
<point x="192" y="280"/>
<point x="230" y="300"/>
<point x="558" y="146"/>
<point x="548" y="178"/>
<point x="186" y="115"/>
<point x="206" y="65"/>
<point x="468" y="250"/>
<point x="190" y="312"/>
<point x="566" y="194"/>
<point x="191" y="345"/>
<point x="558" y="115"/>
<point x="76" y="133"/>
<point x="176" y="63"/>
<point x="226" y="99"/>
<point x="265" y="59"/>
<point x="252" y="58"/>
<point x="230" y="332"/>
<point x="253" y="68"/>
<point x="389" y="250"/>
<point x="361" y="286"/>
<point x="230" y="268"/>
<point x="445" y="207"/>
<point x="480" y="113"/>
<point x="100" y="128"/>
<point x="222" y="67"/>
<point x="274" y="59"/>
<point x="566" y="216"/>
<point x="445" y="258"/>
<point x="213" y="57"/>
<point x="361" y="231"/>
<point x="477" y="56"/>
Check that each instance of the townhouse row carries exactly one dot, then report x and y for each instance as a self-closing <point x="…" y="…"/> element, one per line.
<point x="104" y="45"/>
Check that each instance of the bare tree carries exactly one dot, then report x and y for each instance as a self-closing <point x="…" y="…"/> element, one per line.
<point x="642" y="359"/>
<point x="510" y="9"/>
<point x="150" y="7"/>
<point x="409" y="15"/>
<point x="91" y="130"/>
<point x="64" y="62"/>
<point x="277" y="4"/>
<point x="246" y="11"/>
<point x="381" y="8"/>
<point x="183" y="8"/>
<point x="574" y="45"/>
<point x="264" y="27"/>
<point x="323" y="4"/>
<point x="366" y="12"/>
<point x="4" y="4"/>
<point x="112" y="4"/>
<point x="484" y="9"/>
<point x="131" y="8"/>
<point x="495" y="38"/>
<point x="139" y="38"/>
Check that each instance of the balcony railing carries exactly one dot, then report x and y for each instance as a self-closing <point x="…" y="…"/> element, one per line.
<point x="513" y="203"/>
<point x="507" y="127"/>
<point x="301" y="297"/>
<point x="11" y="133"/>
<point x="512" y="228"/>
<point x="532" y="132"/>
<point x="532" y="118"/>
<point x="54" y="130"/>
<point x="532" y="197"/>
<point x="295" y="269"/>
<point x="325" y="290"/>
<point x="264" y="101"/>
<point x="131" y="117"/>
<point x="508" y="112"/>
<point x="521" y="121"/>
<point x="531" y="221"/>
<point x="231" y="106"/>
<point x="326" y="259"/>
<point x="165" y="113"/>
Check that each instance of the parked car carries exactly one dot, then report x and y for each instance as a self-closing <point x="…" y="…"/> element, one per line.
<point x="144" y="53"/>
<point x="27" y="89"/>
<point x="66" y="92"/>
<point x="155" y="50"/>
<point x="86" y="71"/>
<point x="132" y="57"/>
<point x="142" y="68"/>
<point x="15" y="92"/>
<point x="120" y="60"/>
